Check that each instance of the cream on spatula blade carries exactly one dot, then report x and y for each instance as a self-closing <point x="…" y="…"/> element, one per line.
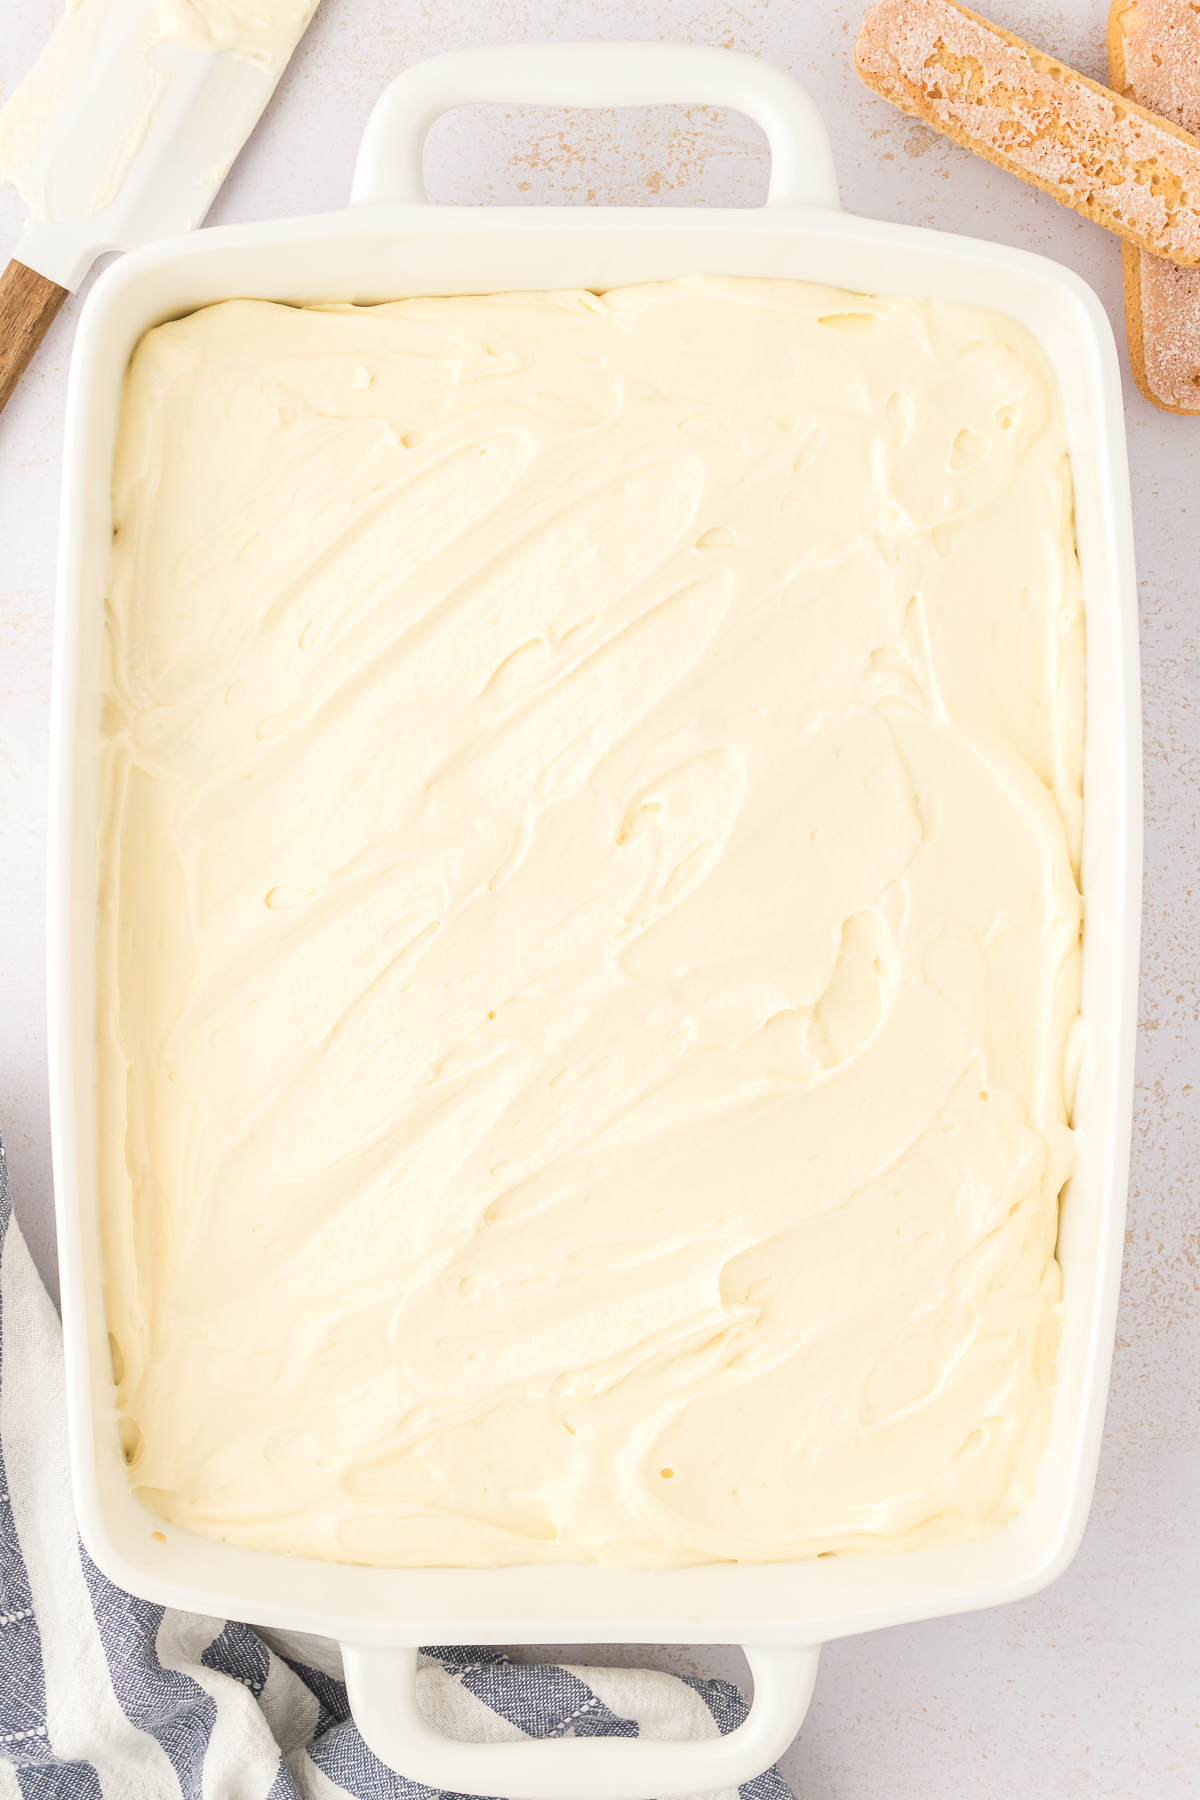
<point x="122" y="132"/>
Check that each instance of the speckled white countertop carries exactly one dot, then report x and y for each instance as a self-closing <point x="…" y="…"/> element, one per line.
<point x="1089" y="1689"/>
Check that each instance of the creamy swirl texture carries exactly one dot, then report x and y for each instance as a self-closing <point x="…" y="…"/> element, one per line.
<point x="589" y="931"/>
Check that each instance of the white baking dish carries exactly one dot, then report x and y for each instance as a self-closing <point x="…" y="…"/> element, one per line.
<point x="389" y="244"/>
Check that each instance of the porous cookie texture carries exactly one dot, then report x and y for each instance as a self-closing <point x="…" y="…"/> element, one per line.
<point x="1154" y="59"/>
<point x="1096" y="151"/>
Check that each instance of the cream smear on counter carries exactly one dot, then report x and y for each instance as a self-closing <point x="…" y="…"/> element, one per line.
<point x="589" y="925"/>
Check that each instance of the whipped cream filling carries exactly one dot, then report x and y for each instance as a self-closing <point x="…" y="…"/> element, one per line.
<point x="589" y="925"/>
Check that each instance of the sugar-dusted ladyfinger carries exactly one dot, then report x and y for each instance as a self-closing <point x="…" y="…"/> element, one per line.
<point x="1154" y="58"/>
<point x="1135" y="173"/>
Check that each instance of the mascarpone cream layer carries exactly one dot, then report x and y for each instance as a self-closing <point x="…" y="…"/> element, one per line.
<point x="589" y="925"/>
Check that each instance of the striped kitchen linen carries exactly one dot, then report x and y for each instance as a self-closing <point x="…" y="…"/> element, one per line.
<point x="106" y="1697"/>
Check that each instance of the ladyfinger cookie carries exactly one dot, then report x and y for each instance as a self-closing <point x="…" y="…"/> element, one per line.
<point x="1094" y="150"/>
<point x="1154" y="59"/>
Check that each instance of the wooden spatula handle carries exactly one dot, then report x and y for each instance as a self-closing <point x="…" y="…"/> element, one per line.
<point x="28" y="304"/>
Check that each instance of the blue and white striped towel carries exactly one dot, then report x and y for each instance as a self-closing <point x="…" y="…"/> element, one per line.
<point x="104" y="1697"/>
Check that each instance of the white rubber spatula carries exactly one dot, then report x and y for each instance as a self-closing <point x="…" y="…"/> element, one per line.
<point x="122" y="132"/>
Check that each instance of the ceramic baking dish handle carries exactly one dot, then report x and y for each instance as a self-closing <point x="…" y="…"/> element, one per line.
<point x="389" y="161"/>
<point x="382" y="1687"/>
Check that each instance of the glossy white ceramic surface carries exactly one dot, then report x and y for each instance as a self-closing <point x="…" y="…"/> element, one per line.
<point x="385" y="249"/>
